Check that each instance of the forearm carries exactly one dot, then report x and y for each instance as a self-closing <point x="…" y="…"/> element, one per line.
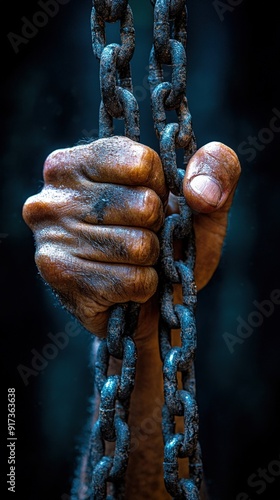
<point x="144" y="477"/>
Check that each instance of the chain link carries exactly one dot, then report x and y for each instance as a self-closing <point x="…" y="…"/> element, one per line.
<point x="170" y="36"/>
<point x="104" y="474"/>
<point x="117" y="99"/>
<point x="117" y="102"/>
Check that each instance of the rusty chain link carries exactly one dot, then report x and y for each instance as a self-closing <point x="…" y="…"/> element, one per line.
<point x="169" y="48"/>
<point x="117" y="99"/>
<point x="104" y="472"/>
<point x="104" y="476"/>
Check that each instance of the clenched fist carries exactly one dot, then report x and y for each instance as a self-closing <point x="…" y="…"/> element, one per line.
<point x="95" y="224"/>
<point x="96" y="221"/>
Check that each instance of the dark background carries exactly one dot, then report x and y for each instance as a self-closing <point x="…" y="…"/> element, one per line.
<point x="50" y="99"/>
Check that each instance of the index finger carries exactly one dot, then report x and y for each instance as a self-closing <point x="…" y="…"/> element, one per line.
<point x="117" y="160"/>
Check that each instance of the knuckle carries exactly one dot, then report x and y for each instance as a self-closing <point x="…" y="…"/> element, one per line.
<point x="50" y="261"/>
<point x="29" y="210"/>
<point x="44" y="263"/>
<point x="35" y="209"/>
<point x="152" y="210"/>
<point x="52" y="166"/>
<point x="147" y="251"/>
<point x="148" y="163"/>
<point x="92" y="317"/>
<point x="61" y="166"/>
<point x="152" y="172"/>
<point x="143" y="283"/>
<point x="50" y="204"/>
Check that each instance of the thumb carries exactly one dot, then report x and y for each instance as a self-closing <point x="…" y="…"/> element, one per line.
<point x="211" y="177"/>
<point x="209" y="185"/>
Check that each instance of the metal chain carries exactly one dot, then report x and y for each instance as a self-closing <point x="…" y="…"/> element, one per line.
<point x="103" y="473"/>
<point x="170" y="37"/>
<point x="117" y="102"/>
<point x="117" y="99"/>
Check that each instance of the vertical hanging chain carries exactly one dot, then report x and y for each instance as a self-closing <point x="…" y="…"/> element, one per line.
<point x="169" y="51"/>
<point x="117" y="99"/>
<point x="103" y="472"/>
<point x="117" y="102"/>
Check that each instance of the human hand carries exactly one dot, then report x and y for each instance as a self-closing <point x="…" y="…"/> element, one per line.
<point x="95" y="222"/>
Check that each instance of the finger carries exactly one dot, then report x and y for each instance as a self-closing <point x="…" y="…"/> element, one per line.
<point x="122" y="205"/>
<point x="209" y="186"/>
<point x="96" y="203"/>
<point x="116" y="160"/>
<point x="50" y="205"/>
<point x="87" y="289"/>
<point x="111" y="244"/>
<point x="211" y="177"/>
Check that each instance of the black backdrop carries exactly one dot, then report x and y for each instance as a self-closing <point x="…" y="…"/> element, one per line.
<point x="50" y="99"/>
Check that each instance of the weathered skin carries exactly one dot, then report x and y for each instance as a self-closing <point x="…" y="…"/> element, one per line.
<point x="95" y="224"/>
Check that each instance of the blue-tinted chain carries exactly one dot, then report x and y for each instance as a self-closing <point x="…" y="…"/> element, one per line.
<point x="170" y="36"/>
<point x="103" y="472"/>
